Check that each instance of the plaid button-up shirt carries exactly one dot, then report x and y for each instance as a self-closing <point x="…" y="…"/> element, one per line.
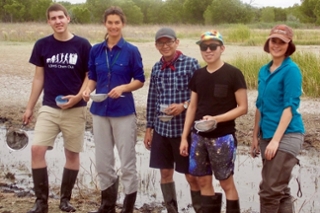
<point x="168" y="87"/>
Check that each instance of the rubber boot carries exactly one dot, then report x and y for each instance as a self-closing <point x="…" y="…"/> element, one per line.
<point x="276" y="174"/>
<point x="41" y="190"/>
<point x="170" y="197"/>
<point x="233" y="206"/>
<point x="211" y="204"/>
<point x="68" y="179"/>
<point x="196" y="201"/>
<point x="108" y="199"/>
<point x="128" y="203"/>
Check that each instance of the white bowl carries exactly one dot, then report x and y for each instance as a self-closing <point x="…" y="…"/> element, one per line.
<point x="98" y="97"/>
<point x="205" y="125"/>
<point x="165" y="118"/>
<point x="16" y="139"/>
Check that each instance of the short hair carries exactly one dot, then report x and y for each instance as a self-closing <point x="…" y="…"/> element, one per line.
<point x="291" y="48"/>
<point x="114" y="10"/>
<point x="56" y="7"/>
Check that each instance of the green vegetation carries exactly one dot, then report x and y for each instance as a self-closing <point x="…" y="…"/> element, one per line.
<point x="239" y="34"/>
<point x="250" y="67"/>
<point x="307" y="61"/>
<point x="310" y="67"/>
<point x="139" y="12"/>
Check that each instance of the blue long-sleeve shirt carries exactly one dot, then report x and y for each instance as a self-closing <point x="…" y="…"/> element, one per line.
<point x="124" y="64"/>
<point x="277" y="91"/>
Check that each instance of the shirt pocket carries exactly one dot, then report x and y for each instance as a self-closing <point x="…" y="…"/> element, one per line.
<point x="220" y="90"/>
<point x="121" y="68"/>
<point x="181" y="82"/>
<point x="100" y="66"/>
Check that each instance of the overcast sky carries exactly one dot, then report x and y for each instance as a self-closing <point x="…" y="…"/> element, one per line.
<point x="256" y="3"/>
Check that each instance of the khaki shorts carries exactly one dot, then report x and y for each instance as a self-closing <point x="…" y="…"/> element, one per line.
<point x="52" y="121"/>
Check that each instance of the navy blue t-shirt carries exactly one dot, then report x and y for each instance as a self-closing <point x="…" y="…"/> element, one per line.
<point x="65" y="65"/>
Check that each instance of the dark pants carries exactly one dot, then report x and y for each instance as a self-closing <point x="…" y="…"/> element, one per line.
<point x="274" y="190"/>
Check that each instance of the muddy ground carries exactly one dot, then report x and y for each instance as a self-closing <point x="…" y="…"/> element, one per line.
<point x="16" y="77"/>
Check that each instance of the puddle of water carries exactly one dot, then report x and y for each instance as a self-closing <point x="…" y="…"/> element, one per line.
<point x="247" y="175"/>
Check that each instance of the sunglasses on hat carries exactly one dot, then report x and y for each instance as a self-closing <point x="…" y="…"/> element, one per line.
<point x="212" y="47"/>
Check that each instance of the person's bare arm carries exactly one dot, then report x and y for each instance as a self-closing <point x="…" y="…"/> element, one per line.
<point x="191" y="112"/>
<point x="36" y="89"/>
<point x="91" y="85"/>
<point x="255" y="149"/>
<point x="148" y="138"/>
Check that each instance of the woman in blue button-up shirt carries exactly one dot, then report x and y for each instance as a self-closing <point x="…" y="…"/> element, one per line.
<point x="278" y="130"/>
<point x="115" y="68"/>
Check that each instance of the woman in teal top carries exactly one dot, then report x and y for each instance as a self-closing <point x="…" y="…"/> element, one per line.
<point x="278" y="130"/>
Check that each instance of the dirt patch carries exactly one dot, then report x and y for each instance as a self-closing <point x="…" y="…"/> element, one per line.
<point x="16" y="78"/>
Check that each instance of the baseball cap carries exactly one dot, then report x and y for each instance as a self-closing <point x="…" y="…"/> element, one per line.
<point x="165" y="32"/>
<point x="282" y="32"/>
<point x="211" y="35"/>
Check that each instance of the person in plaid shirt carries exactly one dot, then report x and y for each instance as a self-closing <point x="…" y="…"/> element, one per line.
<point x="169" y="87"/>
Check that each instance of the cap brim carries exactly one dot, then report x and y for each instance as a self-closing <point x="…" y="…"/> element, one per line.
<point x="280" y="36"/>
<point x="165" y="36"/>
<point x="213" y="39"/>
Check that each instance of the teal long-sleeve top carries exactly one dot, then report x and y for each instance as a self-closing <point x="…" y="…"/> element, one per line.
<point x="277" y="91"/>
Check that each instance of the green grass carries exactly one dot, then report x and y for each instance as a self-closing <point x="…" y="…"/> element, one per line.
<point x="310" y="68"/>
<point x="247" y="35"/>
<point x="250" y="67"/>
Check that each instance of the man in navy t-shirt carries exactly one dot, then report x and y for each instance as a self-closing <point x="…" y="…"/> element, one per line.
<point x="61" y="61"/>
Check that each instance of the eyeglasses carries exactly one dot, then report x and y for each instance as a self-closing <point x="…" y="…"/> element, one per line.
<point x="168" y="43"/>
<point x="212" y="47"/>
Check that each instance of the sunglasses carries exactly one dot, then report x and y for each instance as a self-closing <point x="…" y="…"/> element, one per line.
<point x="212" y="47"/>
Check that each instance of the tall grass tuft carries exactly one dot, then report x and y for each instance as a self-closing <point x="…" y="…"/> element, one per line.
<point x="239" y="34"/>
<point x="250" y="67"/>
<point x="310" y="68"/>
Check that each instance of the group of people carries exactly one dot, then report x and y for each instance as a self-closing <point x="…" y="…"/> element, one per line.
<point x="216" y="92"/>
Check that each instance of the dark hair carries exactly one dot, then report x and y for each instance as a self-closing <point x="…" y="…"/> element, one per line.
<point x="113" y="10"/>
<point x="56" y="7"/>
<point x="291" y="48"/>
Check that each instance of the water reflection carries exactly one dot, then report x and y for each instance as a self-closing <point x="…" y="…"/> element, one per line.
<point x="247" y="175"/>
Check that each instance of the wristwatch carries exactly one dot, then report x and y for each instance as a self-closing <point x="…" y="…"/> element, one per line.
<point x="185" y="105"/>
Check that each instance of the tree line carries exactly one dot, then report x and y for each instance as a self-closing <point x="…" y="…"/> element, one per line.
<point x="165" y="11"/>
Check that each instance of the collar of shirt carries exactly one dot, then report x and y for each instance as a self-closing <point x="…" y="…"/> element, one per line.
<point x="120" y="43"/>
<point x="170" y="64"/>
